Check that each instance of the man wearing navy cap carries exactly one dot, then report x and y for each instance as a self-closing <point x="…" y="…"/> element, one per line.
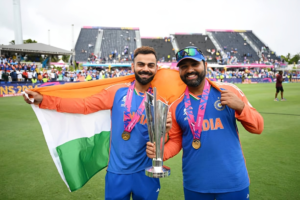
<point x="204" y="126"/>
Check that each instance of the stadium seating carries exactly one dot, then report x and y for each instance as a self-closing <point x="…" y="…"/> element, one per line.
<point x="83" y="48"/>
<point x="162" y="46"/>
<point x="116" y="40"/>
<point x="232" y="41"/>
<point x="203" y="42"/>
<point x="117" y="44"/>
<point x="259" y="44"/>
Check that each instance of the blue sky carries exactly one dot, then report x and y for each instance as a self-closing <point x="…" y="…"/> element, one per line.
<point x="275" y="22"/>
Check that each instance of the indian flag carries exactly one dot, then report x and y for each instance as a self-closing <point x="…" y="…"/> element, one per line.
<point x="79" y="144"/>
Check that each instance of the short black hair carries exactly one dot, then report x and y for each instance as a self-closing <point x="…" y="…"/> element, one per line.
<point x="144" y="50"/>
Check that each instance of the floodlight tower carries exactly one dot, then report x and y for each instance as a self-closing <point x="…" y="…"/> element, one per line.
<point x="18" y="22"/>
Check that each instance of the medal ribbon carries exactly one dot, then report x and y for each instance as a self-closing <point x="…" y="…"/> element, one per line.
<point x="130" y="123"/>
<point x="196" y="128"/>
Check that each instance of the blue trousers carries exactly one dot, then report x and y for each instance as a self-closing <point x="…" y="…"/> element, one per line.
<point x="238" y="195"/>
<point x="122" y="186"/>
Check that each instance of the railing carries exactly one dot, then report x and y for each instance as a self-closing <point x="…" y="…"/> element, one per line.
<point x="97" y="50"/>
<point x="174" y="43"/>
<point x="138" y="39"/>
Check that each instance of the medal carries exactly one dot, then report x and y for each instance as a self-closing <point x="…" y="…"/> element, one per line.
<point x="125" y="135"/>
<point x="196" y="125"/>
<point x="130" y="122"/>
<point x="196" y="144"/>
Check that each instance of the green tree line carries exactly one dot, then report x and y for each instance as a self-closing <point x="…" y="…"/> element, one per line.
<point x="291" y="59"/>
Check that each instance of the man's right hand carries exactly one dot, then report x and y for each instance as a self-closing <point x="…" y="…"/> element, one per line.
<point x="150" y="150"/>
<point x="38" y="98"/>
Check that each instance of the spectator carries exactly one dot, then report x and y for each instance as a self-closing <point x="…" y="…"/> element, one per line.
<point x="5" y="76"/>
<point x="19" y="73"/>
<point x="34" y="74"/>
<point x="60" y="76"/>
<point x="45" y="75"/>
<point x="14" y="75"/>
<point x="72" y="76"/>
<point x="25" y="75"/>
<point x="40" y="78"/>
<point x="53" y="75"/>
<point x="34" y="80"/>
<point x="30" y="75"/>
<point x="66" y="78"/>
<point x="80" y="77"/>
<point x="45" y="79"/>
<point x="88" y="77"/>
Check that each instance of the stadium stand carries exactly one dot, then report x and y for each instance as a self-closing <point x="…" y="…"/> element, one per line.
<point x="203" y="42"/>
<point x="116" y="44"/>
<point x="83" y="48"/>
<point x="235" y="45"/>
<point x="163" y="47"/>
<point x="259" y="44"/>
<point x="100" y="45"/>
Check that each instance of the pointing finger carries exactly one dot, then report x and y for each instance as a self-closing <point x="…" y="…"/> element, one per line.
<point x="224" y="102"/>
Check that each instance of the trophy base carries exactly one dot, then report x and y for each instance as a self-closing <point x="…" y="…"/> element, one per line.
<point x="154" y="173"/>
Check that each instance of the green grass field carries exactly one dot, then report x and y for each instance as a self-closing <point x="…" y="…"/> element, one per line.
<point x="28" y="172"/>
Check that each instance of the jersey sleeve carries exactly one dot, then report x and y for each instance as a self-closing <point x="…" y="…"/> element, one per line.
<point x="100" y="101"/>
<point x="251" y="120"/>
<point x="174" y="144"/>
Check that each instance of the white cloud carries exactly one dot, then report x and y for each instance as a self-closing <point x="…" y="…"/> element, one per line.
<point x="274" y="21"/>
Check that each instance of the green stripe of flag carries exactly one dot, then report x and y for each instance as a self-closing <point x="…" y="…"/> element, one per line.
<point x="82" y="158"/>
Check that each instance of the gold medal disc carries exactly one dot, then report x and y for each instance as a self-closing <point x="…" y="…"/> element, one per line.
<point x="125" y="135"/>
<point x="196" y="144"/>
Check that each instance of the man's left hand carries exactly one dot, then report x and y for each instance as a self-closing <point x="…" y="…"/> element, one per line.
<point x="232" y="101"/>
<point x="169" y="122"/>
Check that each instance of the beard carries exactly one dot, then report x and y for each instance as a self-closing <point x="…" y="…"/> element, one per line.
<point x="195" y="82"/>
<point x="143" y="81"/>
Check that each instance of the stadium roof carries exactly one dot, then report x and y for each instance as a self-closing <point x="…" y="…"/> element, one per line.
<point x="112" y="28"/>
<point x="37" y="48"/>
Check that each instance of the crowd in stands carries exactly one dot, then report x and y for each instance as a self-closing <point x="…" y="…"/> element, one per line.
<point x="252" y="73"/>
<point x="32" y="74"/>
<point x="11" y="71"/>
<point x="211" y="53"/>
<point x="248" y="73"/>
<point x="113" y="57"/>
<point x="230" y="59"/>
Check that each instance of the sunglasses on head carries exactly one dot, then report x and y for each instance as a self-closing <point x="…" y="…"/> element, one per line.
<point x="188" y="52"/>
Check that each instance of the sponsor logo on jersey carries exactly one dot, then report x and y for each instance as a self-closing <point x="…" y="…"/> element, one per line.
<point x="123" y="101"/>
<point x="219" y="106"/>
<point x="184" y="114"/>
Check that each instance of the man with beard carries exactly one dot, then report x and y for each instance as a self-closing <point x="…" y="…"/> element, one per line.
<point x="204" y="126"/>
<point x="129" y="133"/>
